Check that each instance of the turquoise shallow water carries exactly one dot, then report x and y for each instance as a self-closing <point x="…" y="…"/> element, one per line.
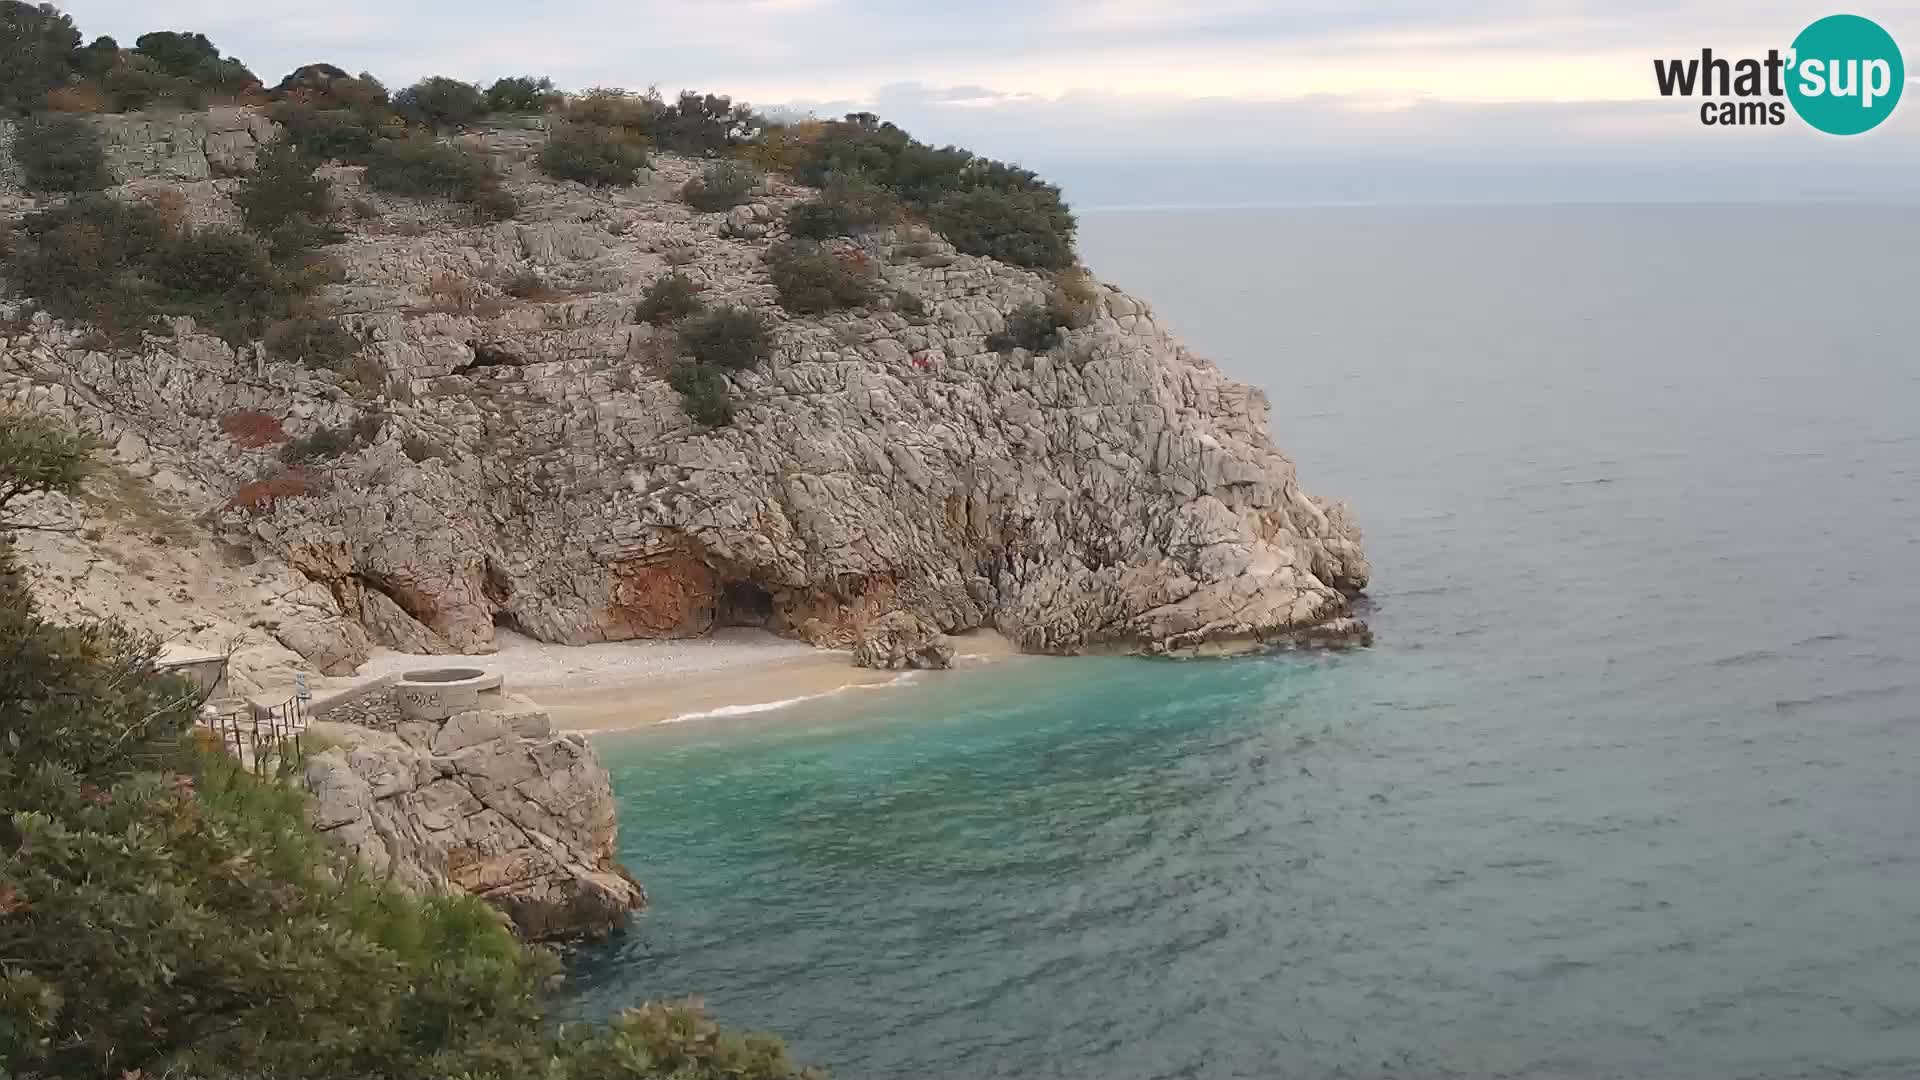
<point x="1629" y="788"/>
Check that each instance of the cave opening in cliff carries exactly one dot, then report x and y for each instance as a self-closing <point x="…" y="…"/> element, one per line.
<point x="744" y="603"/>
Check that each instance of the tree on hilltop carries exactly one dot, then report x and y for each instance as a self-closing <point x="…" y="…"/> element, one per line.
<point x="37" y="47"/>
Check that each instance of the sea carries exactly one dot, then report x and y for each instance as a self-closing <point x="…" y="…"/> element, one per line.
<point x="1629" y="785"/>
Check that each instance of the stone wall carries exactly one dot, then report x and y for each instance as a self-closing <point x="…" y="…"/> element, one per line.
<point x="369" y="705"/>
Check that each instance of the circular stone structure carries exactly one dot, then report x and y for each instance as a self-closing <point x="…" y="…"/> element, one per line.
<point x="437" y="693"/>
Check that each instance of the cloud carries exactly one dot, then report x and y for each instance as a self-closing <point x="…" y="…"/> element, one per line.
<point x="1136" y="86"/>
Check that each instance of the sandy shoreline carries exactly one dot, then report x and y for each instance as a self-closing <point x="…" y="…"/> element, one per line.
<point x="635" y="684"/>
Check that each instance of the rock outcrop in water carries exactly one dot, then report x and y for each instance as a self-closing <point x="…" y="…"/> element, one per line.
<point x="901" y="639"/>
<point x="523" y="462"/>
<point x="488" y="801"/>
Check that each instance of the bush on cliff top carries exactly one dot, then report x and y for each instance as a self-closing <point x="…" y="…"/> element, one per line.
<point x="1025" y="228"/>
<point x="37" y="47"/>
<point x="593" y="154"/>
<point x="440" y="103"/>
<point x="428" y="169"/>
<point x="702" y="124"/>
<point x="521" y="94"/>
<point x="42" y="62"/>
<point x="985" y="207"/>
<point x="118" y="265"/>
<point x="1037" y="327"/>
<point x="723" y="186"/>
<point x="347" y="135"/>
<point x="847" y="205"/>
<point x="812" y="280"/>
<point x="60" y="152"/>
<point x="165" y="912"/>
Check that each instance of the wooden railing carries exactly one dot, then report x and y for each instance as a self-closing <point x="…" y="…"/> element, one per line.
<point x="262" y="737"/>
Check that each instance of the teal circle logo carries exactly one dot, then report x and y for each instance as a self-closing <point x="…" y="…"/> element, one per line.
<point x="1846" y="75"/>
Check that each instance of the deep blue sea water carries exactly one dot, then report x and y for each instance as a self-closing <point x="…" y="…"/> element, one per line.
<point x="1630" y="786"/>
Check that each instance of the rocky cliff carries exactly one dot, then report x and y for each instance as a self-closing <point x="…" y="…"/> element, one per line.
<point x="523" y="463"/>
<point x="488" y="801"/>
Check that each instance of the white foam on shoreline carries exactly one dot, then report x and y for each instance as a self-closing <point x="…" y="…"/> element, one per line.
<point x="769" y="706"/>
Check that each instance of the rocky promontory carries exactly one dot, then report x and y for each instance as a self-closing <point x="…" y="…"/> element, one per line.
<point x="519" y="459"/>
<point x="485" y="799"/>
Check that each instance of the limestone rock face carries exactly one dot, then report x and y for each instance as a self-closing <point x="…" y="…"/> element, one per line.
<point x="9" y="168"/>
<point x="531" y="468"/>
<point x="901" y="639"/>
<point x="489" y="802"/>
<point x="219" y="142"/>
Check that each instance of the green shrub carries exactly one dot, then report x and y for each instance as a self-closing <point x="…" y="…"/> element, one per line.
<point x="700" y="124"/>
<point x="309" y="83"/>
<point x="59" y="152"/>
<point x="285" y="202"/>
<point x="862" y="145"/>
<point x="194" y="58"/>
<point x="637" y="115"/>
<point x="733" y="338"/>
<point x="521" y="94"/>
<point x="848" y="205"/>
<point x="494" y="203"/>
<point x="325" y="444"/>
<point x="593" y="154"/>
<point x="440" y="103"/>
<point x="328" y="134"/>
<point x="1025" y="228"/>
<point x="117" y="265"/>
<point x="1036" y="327"/>
<point x="429" y="169"/>
<point x="90" y="261"/>
<point x="812" y="280"/>
<point x="704" y="392"/>
<point x="985" y="207"/>
<point x="723" y="186"/>
<point x="225" y="279"/>
<point x="670" y="297"/>
<point x="140" y="84"/>
<point x="98" y="58"/>
<point x="317" y="343"/>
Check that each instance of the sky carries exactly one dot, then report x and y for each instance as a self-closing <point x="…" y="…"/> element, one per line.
<point x="1131" y="102"/>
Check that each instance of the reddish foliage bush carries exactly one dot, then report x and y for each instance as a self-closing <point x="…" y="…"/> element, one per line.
<point x="252" y="430"/>
<point x="259" y="496"/>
